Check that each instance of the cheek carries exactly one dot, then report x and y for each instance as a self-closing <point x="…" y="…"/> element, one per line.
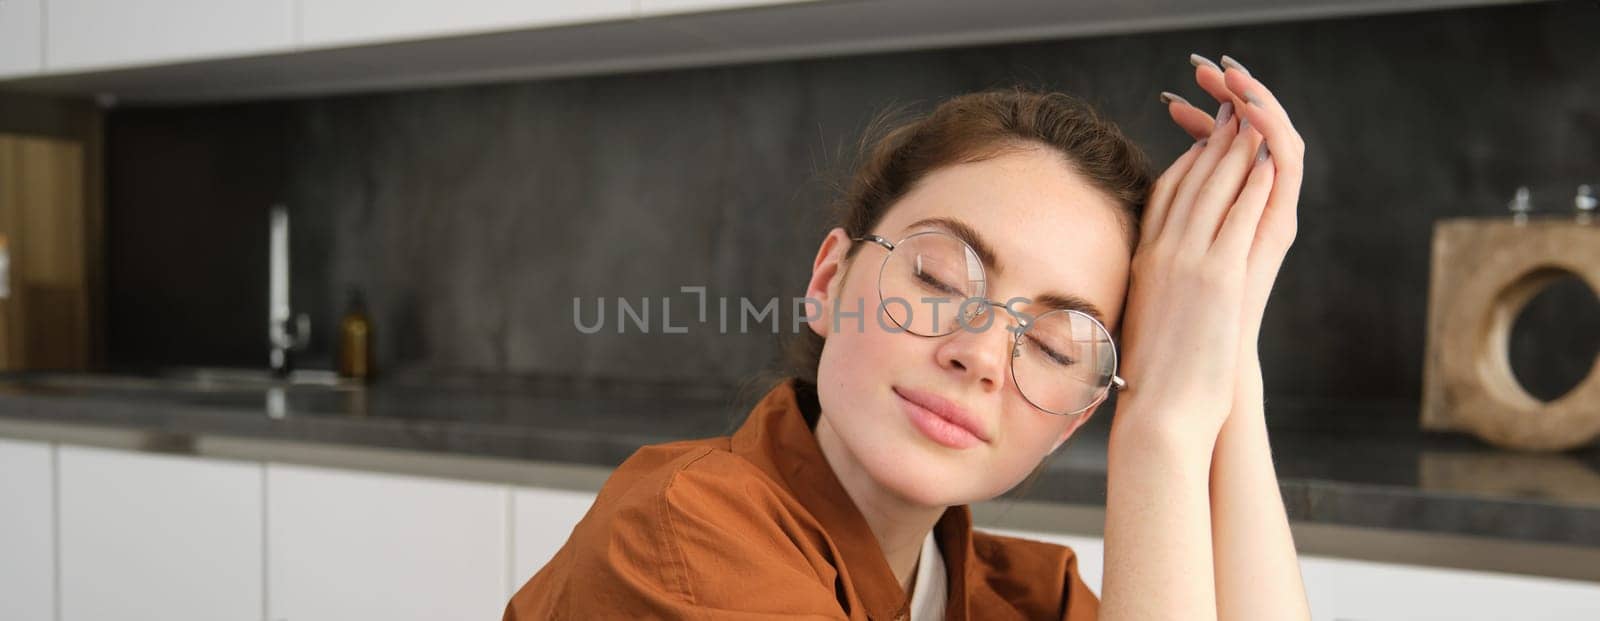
<point x="1030" y="434"/>
<point x="860" y="355"/>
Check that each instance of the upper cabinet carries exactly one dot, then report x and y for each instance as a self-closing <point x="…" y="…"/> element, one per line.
<point x="651" y="8"/>
<point x="351" y="22"/>
<point x="96" y="34"/>
<point x="172" y="51"/>
<point x="21" y="37"/>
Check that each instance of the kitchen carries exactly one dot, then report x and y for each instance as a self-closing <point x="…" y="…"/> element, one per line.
<point x="236" y="200"/>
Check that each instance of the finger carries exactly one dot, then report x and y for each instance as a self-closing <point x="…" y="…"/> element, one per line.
<point x="1155" y="211"/>
<point x="1221" y="137"/>
<point x="1193" y="120"/>
<point x="1240" y="83"/>
<point x="1238" y="232"/>
<point x="1264" y="111"/>
<point x="1221" y="189"/>
<point x="1210" y="77"/>
<point x="1279" y="223"/>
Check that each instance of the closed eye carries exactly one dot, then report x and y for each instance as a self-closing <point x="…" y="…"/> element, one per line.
<point x="940" y="285"/>
<point x="1052" y="354"/>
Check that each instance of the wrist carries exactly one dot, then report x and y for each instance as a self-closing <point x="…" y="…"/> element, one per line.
<point x="1250" y="379"/>
<point x="1170" y="430"/>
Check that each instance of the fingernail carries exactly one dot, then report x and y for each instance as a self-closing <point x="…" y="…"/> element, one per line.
<point x="1251" y="99"/>
<point x="1244" y="123"/>
<point x="1261" y="153"/>
<point x="1229" y="62"/>
<point x="1198" y="60"/>
<point x="1224" y="114"/>
<point x="1201" y="144"/>
<point x="1168" y="98"/>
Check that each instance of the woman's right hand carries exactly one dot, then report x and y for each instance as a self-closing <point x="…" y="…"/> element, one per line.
<point x="1181" y="328"/>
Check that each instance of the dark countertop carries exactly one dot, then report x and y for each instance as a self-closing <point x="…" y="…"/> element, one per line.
<point x="1361" y="464"/>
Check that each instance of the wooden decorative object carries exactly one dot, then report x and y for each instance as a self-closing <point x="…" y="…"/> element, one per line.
<point x="44" y="313"/>
<point x="1484" y="272"/>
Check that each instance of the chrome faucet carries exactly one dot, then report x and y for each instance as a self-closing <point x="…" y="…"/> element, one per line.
<point x="1585" y="202"/>
<point x="285" y="334"/>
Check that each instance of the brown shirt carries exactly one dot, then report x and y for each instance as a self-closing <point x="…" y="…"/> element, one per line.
<point x="756" y="526"/>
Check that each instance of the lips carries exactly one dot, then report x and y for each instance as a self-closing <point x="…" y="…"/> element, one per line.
<point x="946" y="410"/>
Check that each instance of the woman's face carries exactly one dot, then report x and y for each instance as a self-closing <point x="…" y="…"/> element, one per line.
<point x="1050" y="233"/>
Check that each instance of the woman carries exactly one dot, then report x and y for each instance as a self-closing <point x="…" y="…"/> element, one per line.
<point x="968" y="299"/>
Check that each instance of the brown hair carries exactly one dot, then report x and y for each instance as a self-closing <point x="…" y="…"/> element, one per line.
<point x="970" y="128"/>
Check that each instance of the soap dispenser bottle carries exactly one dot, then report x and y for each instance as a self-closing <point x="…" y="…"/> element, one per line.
<point x="355" y="338"/>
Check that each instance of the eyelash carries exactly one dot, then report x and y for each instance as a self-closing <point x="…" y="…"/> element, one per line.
<point x="936" y="283"/>
<point x="1060" y="359"/>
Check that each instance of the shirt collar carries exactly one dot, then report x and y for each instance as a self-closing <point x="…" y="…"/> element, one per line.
<point x="929" y="589"/>
<point x="778" y="438"/>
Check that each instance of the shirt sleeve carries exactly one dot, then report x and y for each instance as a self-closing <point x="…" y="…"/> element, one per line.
<point x="706" y="540"/>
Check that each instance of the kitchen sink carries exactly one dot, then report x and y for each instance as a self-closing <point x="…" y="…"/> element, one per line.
<point x="186" y="379"/>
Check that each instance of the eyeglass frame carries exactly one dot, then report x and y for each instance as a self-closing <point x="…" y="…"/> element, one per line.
<point x="1117" y="383"/>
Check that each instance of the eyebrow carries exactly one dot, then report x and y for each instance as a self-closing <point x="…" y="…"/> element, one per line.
<point x="1052" y="299"/>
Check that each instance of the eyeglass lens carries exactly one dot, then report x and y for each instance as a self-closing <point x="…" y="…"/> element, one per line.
<point x="932" y="284"/>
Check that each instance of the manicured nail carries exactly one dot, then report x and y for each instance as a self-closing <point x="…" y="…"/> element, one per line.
<point x="1198" y="60"/>
<point x="1229" y="62"/>
<point x="1244" y="123"/>
<point x="1224" y="114"/>
<point x="1261" y="153"/>
<point x="1251" y="99"/>
<point x="1201" y="143"/>
<point x="1168" y="98"/>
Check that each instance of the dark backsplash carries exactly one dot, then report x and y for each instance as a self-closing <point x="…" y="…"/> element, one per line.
<point x="471" y="217"/>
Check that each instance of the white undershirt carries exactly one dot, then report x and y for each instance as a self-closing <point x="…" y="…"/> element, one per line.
<point x="929" y="588"/>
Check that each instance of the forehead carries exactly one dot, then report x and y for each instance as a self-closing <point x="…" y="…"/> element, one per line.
<point x="1050" y="230"/>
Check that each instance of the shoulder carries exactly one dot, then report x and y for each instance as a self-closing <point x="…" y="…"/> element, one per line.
<point x="690" y="477"/>
<point x="1036" y="577"/>
<point x="686" y="526"/>
<point x="711" y="509"/>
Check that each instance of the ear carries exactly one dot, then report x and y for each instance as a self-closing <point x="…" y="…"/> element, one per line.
<point x="827" y="273"/>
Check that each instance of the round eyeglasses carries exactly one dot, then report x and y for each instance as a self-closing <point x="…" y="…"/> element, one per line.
<point x="932" y="283"/>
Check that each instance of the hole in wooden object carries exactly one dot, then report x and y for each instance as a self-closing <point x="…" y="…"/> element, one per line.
<point x="1555" y="340"/>
<point x="1543" y="336"/>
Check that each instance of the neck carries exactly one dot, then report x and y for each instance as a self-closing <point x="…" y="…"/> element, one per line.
<point x="899" y="525"/>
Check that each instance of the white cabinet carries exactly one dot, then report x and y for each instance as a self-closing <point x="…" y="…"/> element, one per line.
<point x="158" y="537"/>
<point x="97" y="34"/>
<point x="651" y="8"/>
<point x="345" y="22"/>
<point x="356" y="545"/>
<point x="27" y="531"/>
<point x="542" y="519"/>
<point x="21" y="37"/>
<point x="125" y="535"/>
<point x="1345" y="589"/>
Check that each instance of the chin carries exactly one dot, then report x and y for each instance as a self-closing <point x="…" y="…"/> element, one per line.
<point x="925" y="488"/>
<point x="912" y="467"/>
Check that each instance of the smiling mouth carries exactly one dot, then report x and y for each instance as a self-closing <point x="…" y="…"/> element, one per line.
<point x="937" y="427"/>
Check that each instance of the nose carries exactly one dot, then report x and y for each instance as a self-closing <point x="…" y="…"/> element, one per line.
<point x="980" y="352"/>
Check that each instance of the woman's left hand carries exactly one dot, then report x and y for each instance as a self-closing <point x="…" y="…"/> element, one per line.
<point x="1279" y="221"/>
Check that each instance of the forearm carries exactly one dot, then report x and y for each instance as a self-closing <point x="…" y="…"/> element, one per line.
<point x="1158" y="561"/>
<point x="1257" y="568"/>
